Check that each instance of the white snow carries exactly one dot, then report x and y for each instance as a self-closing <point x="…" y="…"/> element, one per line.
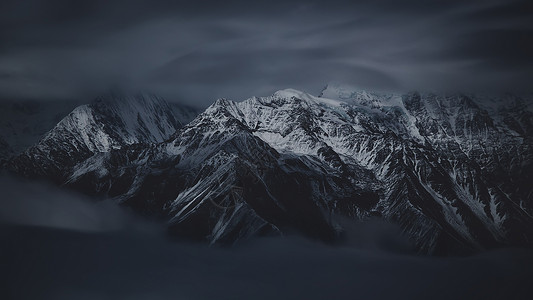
<point x="289" y="93"/>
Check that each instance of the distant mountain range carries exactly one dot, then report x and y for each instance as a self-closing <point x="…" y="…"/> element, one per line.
<point x="453" y="171"/>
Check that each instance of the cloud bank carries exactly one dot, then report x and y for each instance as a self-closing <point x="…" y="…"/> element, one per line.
<point x="56" y="245"/>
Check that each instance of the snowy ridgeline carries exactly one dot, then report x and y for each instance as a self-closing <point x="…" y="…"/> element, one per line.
<point x="24" y="124"/>
<point x="451" y="170"/>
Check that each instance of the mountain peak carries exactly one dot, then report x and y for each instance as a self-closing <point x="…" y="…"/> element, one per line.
<point x="449" y="173"/>
<point x="344" y="92"/>
<point x="290" y="93"/>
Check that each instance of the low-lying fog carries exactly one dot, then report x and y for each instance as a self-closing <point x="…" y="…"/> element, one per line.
<point x="58" y="245"/>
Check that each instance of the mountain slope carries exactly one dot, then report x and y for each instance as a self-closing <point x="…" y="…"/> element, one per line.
<point x="392" y="137"/>
<point x="453" y="172"/>
<point x="24" y="123"/>
<point x="109" y="122"/>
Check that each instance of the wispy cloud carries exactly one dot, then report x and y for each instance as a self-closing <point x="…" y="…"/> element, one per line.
<point x="198" y="52"/>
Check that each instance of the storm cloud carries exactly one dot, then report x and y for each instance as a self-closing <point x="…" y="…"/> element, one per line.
<point x="197" y="52"/>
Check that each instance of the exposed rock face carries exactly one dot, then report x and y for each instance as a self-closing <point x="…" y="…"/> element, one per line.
<point x="24" y="123"/>
<point x="453" y="171"/>
<point x="110" y="122"/>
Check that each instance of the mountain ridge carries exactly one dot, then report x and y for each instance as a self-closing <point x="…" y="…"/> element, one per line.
<point x="449" y="172"/>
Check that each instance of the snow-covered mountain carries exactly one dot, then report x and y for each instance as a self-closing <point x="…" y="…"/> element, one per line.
<point x="109" y="122"/>
<point x="24" y="123"/>
<point x="453" y="171"/>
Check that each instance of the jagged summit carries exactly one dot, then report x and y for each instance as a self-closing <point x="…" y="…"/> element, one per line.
<point x="335" y="90"/>
<point x="22" y="124"/>
<point x="109" y="122"/>
<point x="451" y="173"/>
<point x="290" y="93"/>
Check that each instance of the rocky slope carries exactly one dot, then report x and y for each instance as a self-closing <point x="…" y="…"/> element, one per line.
<point x="109" y="122"/>
<point x="24" y="123"/>
<point x="453" y="171"/>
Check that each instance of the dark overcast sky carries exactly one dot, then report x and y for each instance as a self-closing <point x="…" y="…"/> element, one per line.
<point x="197" y="51"/>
